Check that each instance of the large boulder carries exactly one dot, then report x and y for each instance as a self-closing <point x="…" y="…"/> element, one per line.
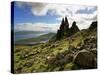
<point x="85" y="59"/>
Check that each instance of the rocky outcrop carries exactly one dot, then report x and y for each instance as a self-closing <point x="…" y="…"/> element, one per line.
<point x="85" y="54"/>
<point x="64" y="24"/>
<point x="74" y="28"/>
<point x="93" y="25"/>
<point x="65" y="31"/>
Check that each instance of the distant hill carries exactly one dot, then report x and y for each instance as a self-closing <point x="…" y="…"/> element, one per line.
<point x="28" y="32"/>
<point x="40" y="38"/>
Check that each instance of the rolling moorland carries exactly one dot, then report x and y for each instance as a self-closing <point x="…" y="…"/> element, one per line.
<point x="69" y="49"/>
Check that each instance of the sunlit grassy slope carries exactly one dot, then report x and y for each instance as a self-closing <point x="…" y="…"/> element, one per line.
<point x="34" y="58"/>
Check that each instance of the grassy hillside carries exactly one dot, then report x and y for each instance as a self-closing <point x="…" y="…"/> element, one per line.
<point x="33" y="58"/>
<point x="50" y="56"/>
<point x="58" y="55"/>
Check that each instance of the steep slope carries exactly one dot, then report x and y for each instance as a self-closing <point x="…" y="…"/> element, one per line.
<point x="61" y="54"/>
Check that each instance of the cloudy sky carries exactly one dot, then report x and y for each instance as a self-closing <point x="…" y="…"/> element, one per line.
<point x="47" y="17"/>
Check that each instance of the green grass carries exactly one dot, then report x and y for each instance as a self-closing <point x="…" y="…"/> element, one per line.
<point x="37" y="55"/>
<point x="33" y="58"/>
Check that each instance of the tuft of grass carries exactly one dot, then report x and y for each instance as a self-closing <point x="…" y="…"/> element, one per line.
<point x="70" y="66"/>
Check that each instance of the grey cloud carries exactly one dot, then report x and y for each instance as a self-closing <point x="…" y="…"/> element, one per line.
<point x="81" y="14"/>
<point x="87" y="10"/>
<point x="94" y="18"/>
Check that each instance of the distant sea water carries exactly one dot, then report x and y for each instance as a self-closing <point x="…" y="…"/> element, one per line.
<point x="26" y="36"/>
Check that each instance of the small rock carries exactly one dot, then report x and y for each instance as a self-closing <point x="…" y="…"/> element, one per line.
<point x="68" y="58"/>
